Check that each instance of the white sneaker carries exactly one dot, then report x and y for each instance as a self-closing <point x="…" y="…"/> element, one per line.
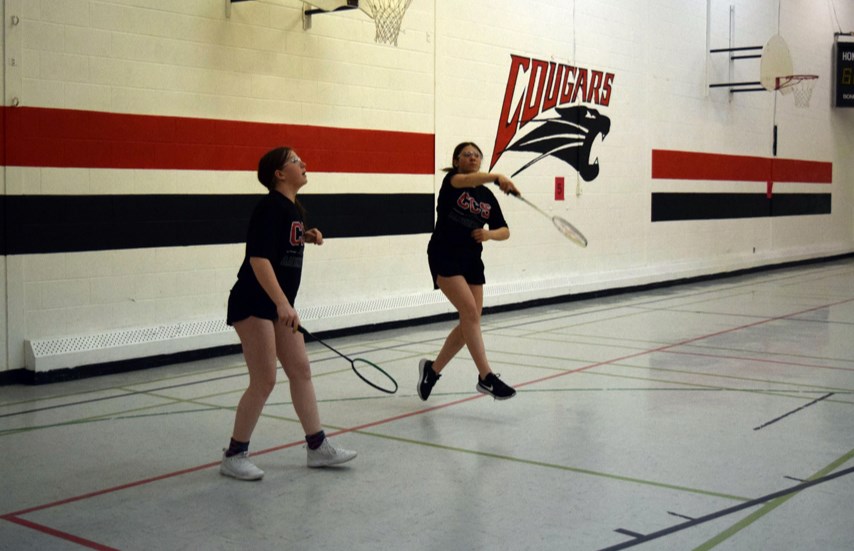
<point x="238" y="466"/>
<point x="327" y="455"/>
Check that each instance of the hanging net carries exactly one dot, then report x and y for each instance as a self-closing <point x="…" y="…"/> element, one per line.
<point x="387" y="15"/>
<point x="800" y="86"/>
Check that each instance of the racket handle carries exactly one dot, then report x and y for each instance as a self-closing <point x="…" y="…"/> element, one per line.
<point x="513" y="193"/>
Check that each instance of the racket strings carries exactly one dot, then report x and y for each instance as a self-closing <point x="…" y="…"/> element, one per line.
<point x="374" y="375"/>
<point x="368" y="371"/>
<point x="563" y="225"/>
<point x="569" y="230"/>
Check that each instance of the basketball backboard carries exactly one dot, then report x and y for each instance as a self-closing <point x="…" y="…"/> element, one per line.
<point x="775" y="63"/>
<point x="332" y="5"/>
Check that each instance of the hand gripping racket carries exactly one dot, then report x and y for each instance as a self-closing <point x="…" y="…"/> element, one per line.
<point x="562" y="224"/>
<point x="361" y="367"/>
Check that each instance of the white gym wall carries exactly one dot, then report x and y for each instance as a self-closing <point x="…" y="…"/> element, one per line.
<point x="446" y="79"/>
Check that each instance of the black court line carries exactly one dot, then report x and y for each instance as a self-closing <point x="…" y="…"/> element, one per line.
<point x="641" y="305"/>
<point x="14" y="517"/>
<point x="628" y="533"/>
<point x="727" y="511"/>
<point x="114" y="396"/>
<point x="772" y="421"/>
<point x="151" y="390"/>
<point x="486" y="329"/>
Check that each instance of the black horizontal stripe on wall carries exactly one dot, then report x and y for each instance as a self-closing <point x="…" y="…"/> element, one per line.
<point x="36" y="224"/>
<point x="711" y="206"/>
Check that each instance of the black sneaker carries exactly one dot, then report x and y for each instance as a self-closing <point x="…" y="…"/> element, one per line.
<point x="493" y="386"/>
<point x="426" y="378"/>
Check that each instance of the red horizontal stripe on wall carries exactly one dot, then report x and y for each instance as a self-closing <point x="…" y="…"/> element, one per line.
<point x="791" y="170"/>
<point x="2" y="136"/>
<point x="691" y="165"/>
<point x="90" y="139"/>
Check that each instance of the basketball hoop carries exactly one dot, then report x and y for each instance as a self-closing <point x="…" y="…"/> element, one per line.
<point x="388" y="15"/>
<point x="800" y="86"/>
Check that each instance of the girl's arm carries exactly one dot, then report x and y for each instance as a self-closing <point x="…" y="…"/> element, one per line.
<point x="263" y="270"/>
<point x="500" y="234"/>
<point x="314" y="236"/>
<point x="474" y="179"/>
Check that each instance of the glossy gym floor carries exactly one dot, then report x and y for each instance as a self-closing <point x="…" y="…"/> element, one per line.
<point x="715" y="414"/>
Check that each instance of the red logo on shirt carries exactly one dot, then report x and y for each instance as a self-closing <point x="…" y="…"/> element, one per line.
<point x="469" y="203"/>
<point x="297" y="233"/>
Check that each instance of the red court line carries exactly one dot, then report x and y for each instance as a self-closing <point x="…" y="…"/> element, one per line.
<point x="760" y="360"/>
<point x="13" y="517"/>
<point x="667" y="347"/>
<point x="42" y="137"/>
<point x="110" y="490"/>
<point x="59" y="534"/>
<point x="694" y="165"/>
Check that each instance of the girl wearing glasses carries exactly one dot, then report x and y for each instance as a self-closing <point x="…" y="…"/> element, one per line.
<point x="465" y="206"/>
<point x="260" y="308"/>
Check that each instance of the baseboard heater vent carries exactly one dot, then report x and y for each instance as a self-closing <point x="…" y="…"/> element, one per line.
<point x="74" y="351"/>
<point x="65" y="352"/>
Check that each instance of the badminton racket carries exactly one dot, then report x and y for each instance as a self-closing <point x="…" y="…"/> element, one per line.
<point x="562" y="224"/>
<point x="366" y="370"/>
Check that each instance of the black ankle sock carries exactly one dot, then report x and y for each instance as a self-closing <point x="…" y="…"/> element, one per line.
<point x="236" y="447"/>
<point x="315" y="440"/>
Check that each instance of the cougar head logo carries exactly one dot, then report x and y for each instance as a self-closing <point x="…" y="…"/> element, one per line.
<point x="570" y="137"/>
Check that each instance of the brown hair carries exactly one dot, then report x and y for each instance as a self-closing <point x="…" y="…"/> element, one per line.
<point x="272" y="161"/>
<point x="458" y="150"/>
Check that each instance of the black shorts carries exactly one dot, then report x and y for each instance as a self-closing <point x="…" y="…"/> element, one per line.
<point x="469" y="266"/>
<point x="243" y="304"/>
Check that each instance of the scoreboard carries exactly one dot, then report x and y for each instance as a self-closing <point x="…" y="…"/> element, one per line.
<point x="843" y="74"/>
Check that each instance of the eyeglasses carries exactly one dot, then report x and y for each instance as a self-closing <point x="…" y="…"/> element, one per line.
<point x="471" y="155"/>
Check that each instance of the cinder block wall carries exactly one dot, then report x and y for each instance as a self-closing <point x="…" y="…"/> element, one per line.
<point x="130" y="156"/>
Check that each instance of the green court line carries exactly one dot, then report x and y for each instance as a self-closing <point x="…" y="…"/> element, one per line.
<point x="641" y="344"/>
<point x="126" y="391"/>
<point x="816" y="388"/>
<point x="102" y="418"/>
<point x="597" y="340"/>
<point x="567" y="468"/>
<point x="159" y="380"/>
<point x="786" y="393"/>
<point x="585" y="361"/>
<point x="200" y="400"/>
<point x="677" y="386"/>
<point x="768" y="507"/>
<point x="764" y="359"/>
<point x="598" y="373"/>
<point x="170" y="401"/>
<point x="240" y="365"/>
<point x="674" y="348"/>
<point x="780" y="354"/>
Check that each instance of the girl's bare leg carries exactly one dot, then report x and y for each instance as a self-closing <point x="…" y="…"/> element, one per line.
<point x="468" y="300"/>
<point x="290" y="348"/>
<point x="257" y="337"/>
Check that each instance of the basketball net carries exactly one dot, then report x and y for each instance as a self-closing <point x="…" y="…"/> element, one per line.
<point x="387" y="15"/>
<point x="800" y="86"/>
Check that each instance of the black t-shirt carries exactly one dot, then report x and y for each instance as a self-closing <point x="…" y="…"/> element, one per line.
<point x="458" y="212"/>
<point x="276" y="232"/>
